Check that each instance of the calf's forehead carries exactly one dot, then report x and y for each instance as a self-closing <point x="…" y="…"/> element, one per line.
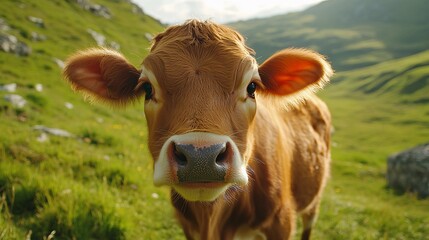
<point x="199" y="52"/>
<point x="192" y="67"/>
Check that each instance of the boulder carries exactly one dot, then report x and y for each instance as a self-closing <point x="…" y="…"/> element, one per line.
<point x="38" y="21"/>
<point x="10" y="44"/>
<point x="59" y="62"/>
<point x="99" y="10"/>
<point x="137" y="9"/>
<point x="22" y="49"/>
<point x="15" y="100"/>
<point x="38" y="87"/>
<point x="3" y="25"/>
<point x="96" y="9"/>
<point x="68" y="105"/>
<point x="11" y="87"/>
<point x="148" y="36"/>
<point x="36" y="37"/>
<point x="53" y="131"/>
<point x="114" y="45"/>
<point x="99" y="38"/>
<point x="409" y="171"/>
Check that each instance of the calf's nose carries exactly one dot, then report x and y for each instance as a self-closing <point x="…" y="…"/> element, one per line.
<point x="197" y="164"/>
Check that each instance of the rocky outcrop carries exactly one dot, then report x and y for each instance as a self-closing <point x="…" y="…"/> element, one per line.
<point x="59" y="62"/>
<point x="409" y="171"/>
<point x="53" y="131"/>
<point x="3" y="25"/>
<point x="10" y="44"/>
<point x="38" y="21"/>
<point x="96" y="9"/>
<point x="148" y="36"/>
<point x="100" y="39"/>
<point x="11" y="87"/>
<point x="137" y="9"/>
<point x="37" y="37"/>
<point x="16" y="100"/>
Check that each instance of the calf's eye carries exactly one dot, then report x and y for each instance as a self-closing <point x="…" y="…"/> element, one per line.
<point x="147" y="87"/>
<point x="251" y="88"/>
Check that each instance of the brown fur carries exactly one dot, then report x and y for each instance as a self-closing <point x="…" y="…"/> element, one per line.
<point x="199" y="67"/>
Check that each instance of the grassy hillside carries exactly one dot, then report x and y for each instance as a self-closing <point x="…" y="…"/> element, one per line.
<point x="98" y="183"/>
<point x="377" y="111"/>
<point x="352" y="33"/>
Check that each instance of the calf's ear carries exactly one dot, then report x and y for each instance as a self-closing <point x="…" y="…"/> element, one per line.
<point x="103" y="74"/>
<point x="293" y="70"/>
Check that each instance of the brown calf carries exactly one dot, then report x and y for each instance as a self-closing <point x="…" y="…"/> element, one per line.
<point x="243" y="148"/>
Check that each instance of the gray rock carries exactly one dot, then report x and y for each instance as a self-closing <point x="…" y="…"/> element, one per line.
<point x="100" y="10"/>
<point x="43" y="137"/>
<point x="3" y="25"/>
<point x="148" y="36"/>
<point x="38" y="37"/>
<point x="11" y="87"/>
<point x="99" y="38"/>
<point x="10" y="44"/>
<point x="115" y="45"/>
<point x="38" y="21"/>
<point x="53" y="131"/>
<point x="409" y="170"/>
<point x="137" y="9"/>
<point x="15" y="100"/>
<point x="38" y="87"/>
<point x="96" y="9"/>
<point x="59" y="62"/>
<point x="22" y="49"/>
<point x="68" y="105"/>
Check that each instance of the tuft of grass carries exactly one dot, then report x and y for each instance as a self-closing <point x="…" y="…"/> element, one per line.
<point x="95" y="138"/>
<point x="37" y="100"/>
<point x="71" y="219"/>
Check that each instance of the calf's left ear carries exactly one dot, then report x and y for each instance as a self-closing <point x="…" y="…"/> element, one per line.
<point x="292" y="70"/>
<point x="104" y="75"/>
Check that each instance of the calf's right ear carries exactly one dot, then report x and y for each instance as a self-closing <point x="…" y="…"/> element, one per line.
<point x="292" y="71"/>
<point x="104" y="75"/>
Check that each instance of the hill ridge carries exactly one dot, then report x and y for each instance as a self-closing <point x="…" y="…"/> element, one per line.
<point x="351" y="33"/>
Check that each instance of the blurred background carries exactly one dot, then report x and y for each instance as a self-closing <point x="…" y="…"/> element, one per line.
<point x="73" y="170"/>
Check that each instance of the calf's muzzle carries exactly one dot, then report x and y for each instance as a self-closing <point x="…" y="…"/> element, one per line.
<point x="201" y="164"/>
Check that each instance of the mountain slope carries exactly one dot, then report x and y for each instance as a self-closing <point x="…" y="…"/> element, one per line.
<point x="352" y="33"/>
<point x="405" y="79"/>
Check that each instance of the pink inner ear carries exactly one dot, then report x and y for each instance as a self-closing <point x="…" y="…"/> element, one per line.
<point x="103" y="74"/>
<point x="85" y="73"/>
<point x="292" y="82"/>
<point x="286" y="73"/>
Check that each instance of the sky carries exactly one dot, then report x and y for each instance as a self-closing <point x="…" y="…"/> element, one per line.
<point x="221" y="11"/>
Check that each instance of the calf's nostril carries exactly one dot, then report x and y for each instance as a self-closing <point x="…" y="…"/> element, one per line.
<point x="179" y="156"/>
<point x="223" y="155"/>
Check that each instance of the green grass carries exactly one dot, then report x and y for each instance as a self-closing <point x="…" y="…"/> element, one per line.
<point x="370" y="126"/>
<point x="98" y="184"/>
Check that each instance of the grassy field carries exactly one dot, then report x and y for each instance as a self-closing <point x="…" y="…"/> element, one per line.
<point x="370" y="124"/>
<point x="98" y="184"/>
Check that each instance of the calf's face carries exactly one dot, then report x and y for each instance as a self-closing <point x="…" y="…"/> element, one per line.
<point x="200" y="87"/>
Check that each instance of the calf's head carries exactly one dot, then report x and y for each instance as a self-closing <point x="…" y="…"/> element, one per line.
<point x="200" y="85"/>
